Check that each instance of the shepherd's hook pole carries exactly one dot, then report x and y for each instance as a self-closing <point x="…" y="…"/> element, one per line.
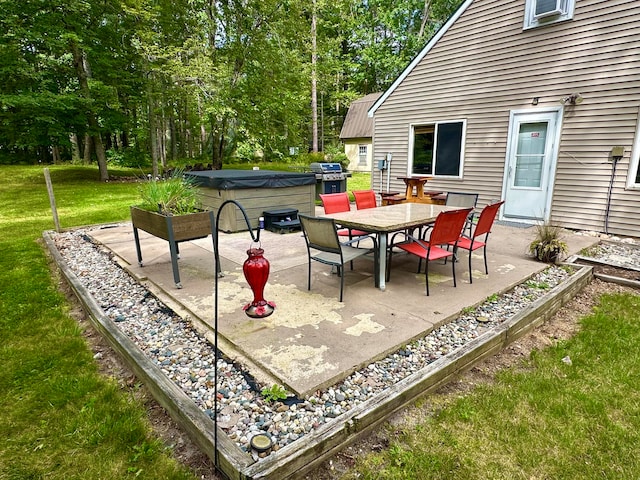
<point x="255" y="238"/>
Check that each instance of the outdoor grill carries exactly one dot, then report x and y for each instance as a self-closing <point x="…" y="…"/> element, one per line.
<point x="329" y="178"/>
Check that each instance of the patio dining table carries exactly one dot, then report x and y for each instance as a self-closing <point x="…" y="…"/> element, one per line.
<point x="388" y="219"/>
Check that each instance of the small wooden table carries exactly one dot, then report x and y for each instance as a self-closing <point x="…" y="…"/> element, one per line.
<point x="385" y="220"/>
<point x="415" y="187"/>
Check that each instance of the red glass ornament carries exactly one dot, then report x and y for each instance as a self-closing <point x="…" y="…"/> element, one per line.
<point x="256" y="271"/>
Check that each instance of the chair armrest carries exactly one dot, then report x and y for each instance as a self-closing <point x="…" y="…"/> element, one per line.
<point x="359" y="239"/>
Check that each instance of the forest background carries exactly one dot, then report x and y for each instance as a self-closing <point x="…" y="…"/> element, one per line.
<point x="145" y="82"/>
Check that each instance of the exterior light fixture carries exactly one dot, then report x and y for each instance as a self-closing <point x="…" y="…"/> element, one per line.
<point x="573" y="99"/>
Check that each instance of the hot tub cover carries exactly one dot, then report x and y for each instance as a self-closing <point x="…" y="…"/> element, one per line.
<point x="236" y="179"/>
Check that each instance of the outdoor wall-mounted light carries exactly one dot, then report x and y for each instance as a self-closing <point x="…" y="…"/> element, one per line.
<point x="573" y="99"/>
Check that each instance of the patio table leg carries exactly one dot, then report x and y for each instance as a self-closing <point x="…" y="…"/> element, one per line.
<point x="382" y="260"/>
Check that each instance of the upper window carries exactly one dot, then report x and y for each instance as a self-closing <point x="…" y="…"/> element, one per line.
<point x="438" y="149"/>
<point x="538" y="13"/>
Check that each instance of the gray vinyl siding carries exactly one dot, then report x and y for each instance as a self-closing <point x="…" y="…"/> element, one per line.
<point x="486" y="65"/>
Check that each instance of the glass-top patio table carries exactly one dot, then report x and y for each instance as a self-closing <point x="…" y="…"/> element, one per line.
<point x="388" y="219"/>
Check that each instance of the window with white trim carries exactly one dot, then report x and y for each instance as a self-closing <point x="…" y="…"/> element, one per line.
<point x="538" y="13"/>
<point x="362" y="154"/>
<point x="437" y="149"/>
<point x="633" y="180"/>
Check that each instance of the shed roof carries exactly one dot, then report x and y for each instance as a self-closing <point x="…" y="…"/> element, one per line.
<point x="357" y="124"/>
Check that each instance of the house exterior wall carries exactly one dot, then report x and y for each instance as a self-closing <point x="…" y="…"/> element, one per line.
<point x="352" y="150"/>
<point x="485" y="65"/>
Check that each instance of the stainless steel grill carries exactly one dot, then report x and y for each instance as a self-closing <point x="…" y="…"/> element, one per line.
<point x="329" y="178"/>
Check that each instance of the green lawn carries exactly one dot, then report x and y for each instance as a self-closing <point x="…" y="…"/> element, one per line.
<point x="546" y="419"/>
<point x="61" y="419"/>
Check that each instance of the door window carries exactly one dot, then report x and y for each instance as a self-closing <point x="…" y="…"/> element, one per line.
<point x="530" y="152"/>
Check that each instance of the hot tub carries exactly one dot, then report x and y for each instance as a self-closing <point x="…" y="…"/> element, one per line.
<point x="256" y="191"/>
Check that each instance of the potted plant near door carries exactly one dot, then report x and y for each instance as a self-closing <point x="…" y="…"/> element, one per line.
<point x="169" y="209"/>
<point x="548" y="246"/>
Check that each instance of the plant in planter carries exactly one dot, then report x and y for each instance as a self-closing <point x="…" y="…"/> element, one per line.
<point x="548" y="246"/>
<point x="169" y="209"/>
<point x="176" y="195"/>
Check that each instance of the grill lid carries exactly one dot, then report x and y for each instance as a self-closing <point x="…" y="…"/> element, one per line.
<point x="321" y="167"/>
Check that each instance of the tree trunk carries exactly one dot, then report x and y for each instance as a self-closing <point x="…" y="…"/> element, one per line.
<point x="173" y="140"/>
<point x="203" y="130"/>
<point x="100" y="153"/>
<point x="55" y="153"/>
<point x="86" y="155"/>
<point x="162" y="129"/>
<point x="425" y="17"/>
<point x="75" y="148"/>
<point x="217" y="147"/>
<point x="82" y="70"/>
<point x="314" y="81"/>
<point x="153" y="134"/>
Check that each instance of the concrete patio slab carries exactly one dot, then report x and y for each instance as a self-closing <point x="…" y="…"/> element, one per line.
<point x="311" y="341"/>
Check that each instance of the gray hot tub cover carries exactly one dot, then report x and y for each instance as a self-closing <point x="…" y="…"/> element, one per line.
<point x="237" y="179"/>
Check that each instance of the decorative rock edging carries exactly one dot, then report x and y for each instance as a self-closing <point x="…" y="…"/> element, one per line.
<point x="180" y="407"/>
<point x="298" y="457"/>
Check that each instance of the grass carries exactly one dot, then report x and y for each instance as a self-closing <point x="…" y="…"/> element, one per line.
<point x="559" y="419"/>
<point x="60" y="418"/>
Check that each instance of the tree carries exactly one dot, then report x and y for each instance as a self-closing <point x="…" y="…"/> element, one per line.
<point x="189" y="78"/>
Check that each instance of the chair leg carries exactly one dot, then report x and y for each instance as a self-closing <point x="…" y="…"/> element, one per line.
<point x="470" y="274"/>
<point x="341" y="284"/>
<point x="426" y="275"/>
<point x="486" y="268"/>
<point x="309" y="277"/>
<point x="453" y="268"/>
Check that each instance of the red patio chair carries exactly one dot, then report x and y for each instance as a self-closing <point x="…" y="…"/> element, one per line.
<point x="483" y="227"/>
<point x="446" y="229"/>
<point x="336" y="203"/>
<point x="365" y="199"/>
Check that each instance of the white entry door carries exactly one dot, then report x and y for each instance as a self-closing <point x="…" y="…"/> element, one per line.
<point x="532" y="152"/>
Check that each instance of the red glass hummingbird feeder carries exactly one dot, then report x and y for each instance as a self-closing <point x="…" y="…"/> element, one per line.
<point x="256" y="271"/>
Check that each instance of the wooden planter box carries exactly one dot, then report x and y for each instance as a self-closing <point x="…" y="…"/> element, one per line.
<point x="173" y="229"/>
